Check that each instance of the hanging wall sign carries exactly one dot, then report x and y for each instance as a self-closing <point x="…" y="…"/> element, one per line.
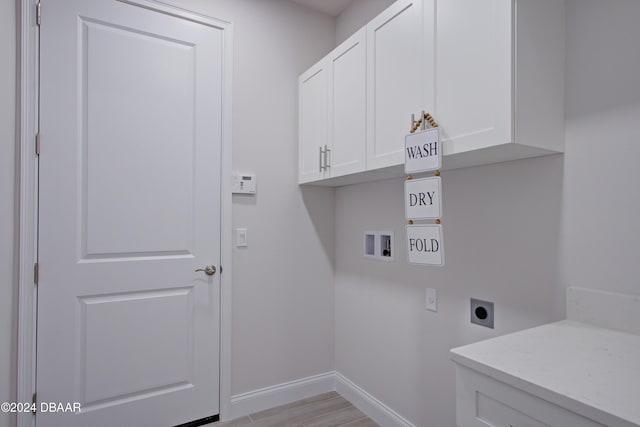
<point x="422" y="151"/>
<point x="424" y="244"/>
<point x="423" y="198"/>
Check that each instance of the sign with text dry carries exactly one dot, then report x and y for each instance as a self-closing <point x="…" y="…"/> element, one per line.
<point x="423" y="198"/>
<point x="422" y="151"/>
<point x="424" y="244"/>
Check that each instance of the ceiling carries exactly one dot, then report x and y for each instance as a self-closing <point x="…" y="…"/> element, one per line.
<point x="330" y="7"/>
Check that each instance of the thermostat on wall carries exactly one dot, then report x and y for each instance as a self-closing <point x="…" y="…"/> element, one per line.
<point x="244" y="183"/>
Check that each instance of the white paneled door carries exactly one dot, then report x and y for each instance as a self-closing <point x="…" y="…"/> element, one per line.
<point x="131" y="110"/>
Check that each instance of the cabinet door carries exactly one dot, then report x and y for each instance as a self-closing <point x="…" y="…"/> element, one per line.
<point x="312" y="122"/>
<point x="347" y="106"/>
<point x="482" y="401"/>
<point x="399" y="82"/>
<point x="474" y="73"/>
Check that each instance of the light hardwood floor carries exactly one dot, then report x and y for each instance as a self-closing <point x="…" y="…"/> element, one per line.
<point x="325" y="410"/>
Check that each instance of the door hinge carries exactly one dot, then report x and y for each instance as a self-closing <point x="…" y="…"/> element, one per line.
<point x="34" y="400"/>
<point x="36" y="273"/>
<point x="38" y="14"/>
<point x="220" y="269"/>
<point x="38" y="144"/>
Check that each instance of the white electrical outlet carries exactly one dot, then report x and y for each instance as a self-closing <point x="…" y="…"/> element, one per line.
<point x="431" y="302"/>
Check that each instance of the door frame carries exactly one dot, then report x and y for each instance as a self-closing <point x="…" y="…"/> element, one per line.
<point x="27" y="162"/>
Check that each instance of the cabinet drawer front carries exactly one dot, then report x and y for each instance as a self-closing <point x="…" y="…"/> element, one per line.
<point x="496" y="413"/>
<point x="482" y="401"/>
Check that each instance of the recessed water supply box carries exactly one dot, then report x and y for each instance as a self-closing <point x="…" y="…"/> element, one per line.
<point x="379" y="245"/>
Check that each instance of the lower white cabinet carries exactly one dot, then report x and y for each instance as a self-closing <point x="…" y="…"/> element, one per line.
<point x="482" y="401"/>
<point x="562" y="374"/>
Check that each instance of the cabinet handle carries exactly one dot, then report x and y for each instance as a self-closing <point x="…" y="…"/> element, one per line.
<point x="326" y="152"/>
<point x="320" y="167"/>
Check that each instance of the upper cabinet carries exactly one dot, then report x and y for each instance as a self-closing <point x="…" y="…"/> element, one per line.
<point x="473" y="65"/>
<point x="499" y="75"/>
<point x="399" y="52"/>
<point x="332" y="113"/>
<point x="347" y="106"/>
<point x="491" y="72"/>
<point x="312" y="122"/>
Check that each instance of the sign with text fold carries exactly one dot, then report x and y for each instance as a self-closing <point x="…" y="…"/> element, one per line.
<point x="423" y="198"/>
<point x="422" y="151"/>
<point x="424" y="244"/>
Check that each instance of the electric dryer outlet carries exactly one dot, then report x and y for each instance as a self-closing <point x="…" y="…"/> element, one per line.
<point x="482" y="313"/>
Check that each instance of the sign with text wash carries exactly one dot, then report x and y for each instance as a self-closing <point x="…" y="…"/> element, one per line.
<point x="423" y="198"/>
<point x="424" y="244"/>
<point x="422" y="151"/>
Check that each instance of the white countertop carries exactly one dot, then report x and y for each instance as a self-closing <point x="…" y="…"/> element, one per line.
<point x="586" y="369"/>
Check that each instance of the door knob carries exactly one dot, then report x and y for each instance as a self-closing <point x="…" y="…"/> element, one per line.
<point x="209" y="270"/>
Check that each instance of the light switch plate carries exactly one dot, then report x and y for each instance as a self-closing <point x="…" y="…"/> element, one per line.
<point x="242" y="237"/>
<point x="431" y="302"/>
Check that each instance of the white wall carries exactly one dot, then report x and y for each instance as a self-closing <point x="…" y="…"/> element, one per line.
<point x="500" y="240"/>
<point x="282" y="292"/>
<point x="356" y="15"/>
<point x="516" y="233"/>
<point x="601" y="230"/>
<point x="8" y="293"/>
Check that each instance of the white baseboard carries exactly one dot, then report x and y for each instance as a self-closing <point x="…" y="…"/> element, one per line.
<point x="281" y="394"/>
<point x="372" y="407"/>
